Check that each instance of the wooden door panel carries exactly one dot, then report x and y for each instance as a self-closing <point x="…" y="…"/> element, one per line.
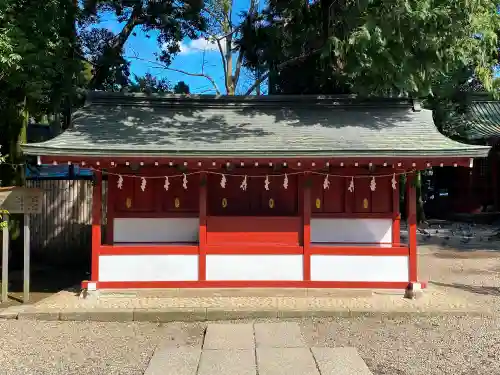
<point x="231" y="200"/>
<point x="278" y="201"/>
<point x="317" y="194"/>
<point x="334" y="197"/>
<point x="382" y="196"/>
<point x="143" y="201"/>
<point x="362" y="195"/>
<point x="178" y="199"/>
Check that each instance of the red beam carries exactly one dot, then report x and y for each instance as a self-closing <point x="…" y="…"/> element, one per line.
<point x="405" y="163"/>
<point x="252" y="284"/>
<point x="359" y="250"/>
<point x="253" y="249"/>
<point x="149" y="249"/>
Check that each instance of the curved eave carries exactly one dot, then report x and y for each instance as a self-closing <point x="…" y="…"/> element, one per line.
<point x="466" y="152"/>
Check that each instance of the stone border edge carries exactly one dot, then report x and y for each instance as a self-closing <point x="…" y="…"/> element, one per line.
<point x="212" y="314"/>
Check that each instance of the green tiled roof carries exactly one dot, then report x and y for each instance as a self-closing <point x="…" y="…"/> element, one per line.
<point x="483" y="119"/>
<point x="130" y="125"/>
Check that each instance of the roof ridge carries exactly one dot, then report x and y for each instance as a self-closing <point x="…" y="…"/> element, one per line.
<point x="159" y="100"/>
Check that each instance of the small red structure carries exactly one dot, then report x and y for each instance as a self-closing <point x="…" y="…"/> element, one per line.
<point x="253" y="191"/>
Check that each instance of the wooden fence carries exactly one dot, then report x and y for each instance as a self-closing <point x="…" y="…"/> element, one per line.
<point x="62" y="231"/>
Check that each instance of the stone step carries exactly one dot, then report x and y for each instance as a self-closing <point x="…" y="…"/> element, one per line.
<point x="340" y="361"/>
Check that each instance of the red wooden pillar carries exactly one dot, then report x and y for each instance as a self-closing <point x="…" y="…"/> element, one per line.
<point x="202" y="253"/>
<point x="110" y="208"/>
<point x="411" y="210"/>
<point x="494" y="178"/>
<point x="396" y="220"/>
<point x="306" y="212"/>
<point x="96" y="224"/>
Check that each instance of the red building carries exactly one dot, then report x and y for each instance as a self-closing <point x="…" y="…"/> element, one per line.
<point x="476" y="190"/>
<point x="265" y="191"/>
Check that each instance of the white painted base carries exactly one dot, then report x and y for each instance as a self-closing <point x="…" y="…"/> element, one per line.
<point x="156" y="229"/>
<point x="254" y="267"/>
<point x="359" y="268"/>
<point x="351" y="230"/>
<point x="148" y="268"/>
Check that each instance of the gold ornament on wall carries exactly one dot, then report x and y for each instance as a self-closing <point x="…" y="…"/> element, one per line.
<point x="224" y="202"/>
<point x="177" y="203"/>
<point x="365" y="203"/>
<point x="271" y="203"/>
<point x="128" y="202"/>
<point x="318" y="203"/>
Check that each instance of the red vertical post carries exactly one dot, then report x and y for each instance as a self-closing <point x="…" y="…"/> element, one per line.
<point x="494" y="178"/>
<point x="110" y="208"/>
<point x="202" y="246"/>
<point x="411" y="204"/>
<point x="306" y="211"/>
<point x="396" y="220"/>
<point x="96" y="224"/>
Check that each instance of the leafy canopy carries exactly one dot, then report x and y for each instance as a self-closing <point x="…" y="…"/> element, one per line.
<point x="372" y="46"/>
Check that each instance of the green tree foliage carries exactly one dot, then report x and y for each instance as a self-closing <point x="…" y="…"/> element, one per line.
<point x="37" y="67"/>
<point x="95" y="44"/>
<point x="150" y="85"/>
<point x="181" y="88"/>
<point x="371" y="46"/>
<point x="174" y="19"/>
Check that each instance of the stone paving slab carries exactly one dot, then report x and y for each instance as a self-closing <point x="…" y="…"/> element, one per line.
<point x="227" y="362"/>
<point x="174" y="361"/>
<point x="340" y="361"/>
<point x="229" y="336"/>
<point x="279" y="335"/>
<point x="286" y="361"/>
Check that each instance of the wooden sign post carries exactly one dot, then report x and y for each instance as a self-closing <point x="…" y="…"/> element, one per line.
<point x="18" y="200"/>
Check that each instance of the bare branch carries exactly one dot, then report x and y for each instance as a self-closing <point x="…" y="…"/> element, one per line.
<point x="223" y="58"/>
<point x="239" y="61"/>
<point x="162" y="66"/>
<point x="279" y="67"/>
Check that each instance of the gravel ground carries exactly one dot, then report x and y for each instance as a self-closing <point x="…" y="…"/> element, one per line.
<point x="86" y="348"/>
<point x="406" y="346"/>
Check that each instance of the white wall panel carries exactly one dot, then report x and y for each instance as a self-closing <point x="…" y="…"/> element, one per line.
<point x="148" y="268"/>
<point x="351" y="230"/>
<point x="156" y="229"/>
<point x="254" y="267"/>
<point x="359" y="268"/>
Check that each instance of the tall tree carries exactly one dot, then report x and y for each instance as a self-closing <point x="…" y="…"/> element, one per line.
<point x="371" y="46"/>
<point x="37" y="66"/>
<point x="174" y="19"/>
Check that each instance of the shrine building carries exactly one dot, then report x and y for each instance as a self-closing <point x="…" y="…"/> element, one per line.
<point x="262" y="191"/>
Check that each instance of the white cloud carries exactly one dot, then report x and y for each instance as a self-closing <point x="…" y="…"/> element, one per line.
<point x="199" y="45"/>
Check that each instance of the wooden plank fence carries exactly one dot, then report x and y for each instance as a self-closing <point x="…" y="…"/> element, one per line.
<point x="62" y="231"/>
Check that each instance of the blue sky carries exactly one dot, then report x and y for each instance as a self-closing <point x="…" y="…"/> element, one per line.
<point x="190" y="59"/>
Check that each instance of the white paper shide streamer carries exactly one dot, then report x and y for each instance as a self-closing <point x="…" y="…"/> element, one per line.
<point x="351" y="185"/>
<point x="373" y="184"/>
<point x="119" y="184"/>
<point x="326" y="183"/>
<point x="266" y="183"/>
<point x="394" y="181"/>
<point x="244" y="184"/>
<point x="143" y="184"/>
<point x="223" y="181"/>
<point x="167" y="184"/>
<point x="285" y="182"/>
<point x="185" y="182"/>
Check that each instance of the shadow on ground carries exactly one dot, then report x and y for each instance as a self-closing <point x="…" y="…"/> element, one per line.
<point x="44" y="283"/>
<point x="476" y="289"/>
